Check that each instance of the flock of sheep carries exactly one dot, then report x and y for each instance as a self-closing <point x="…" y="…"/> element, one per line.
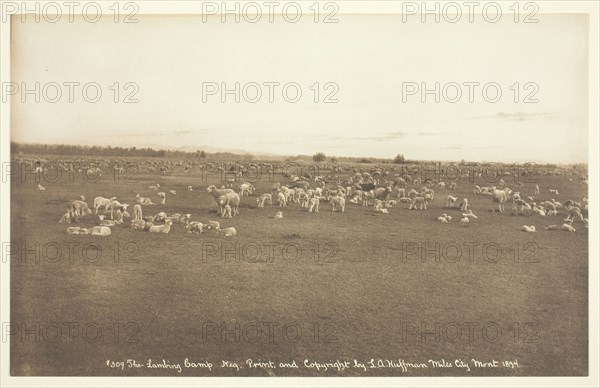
<point x="373" y="188"/>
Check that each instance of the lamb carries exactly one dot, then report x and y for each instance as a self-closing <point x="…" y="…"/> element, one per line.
<point x="149" y="223"/>
<point x="453" y="186"/>
<point x="567" y="227"/>
<point x="163" y="197"/>
<point x="190" y="188"/>
<point x="521" y="205"/>
<point x="76" y="230"/>
<point x="228" y="232"/>
<point x="66" y="219"/>
<point x="40" y="187"/>
<point x="118" y="217"/>
<point x="418" y="201"/>
<point x="78" y="208"/>
<point x="173" y="192"/>
<point x="195" y="227"/>
<point x="366" y="198"/>
<point x="279" y="215"/>
<point x="574" y="212"/>
<point x="469" y="214"/>
<point x="338" y="203"/>
<point x="160" y="216"/>
<point x="138" y="224"/>
<point x="450" y="201"/>
<point x="154" y="187"/>
<point x="102" y="202"/>
<point x="528" y="229"/>
<point x="226" y="212"/>
<point x="161" y="228"/>
<point x="137" y="212"/>
<point x="464" y="205"/>
<point x="230" y="199"/>
<point x="108" y="223"/>
<point x="265" y="197"/>
<point x="313" y="205"/>
<point x="143" y="200"/>
<point x="246" y="189"/>
<point x="554" y="191"/>
<point x="100" y="231"/>
<point x="464" y="221"/>
<point x="498" y="197"/>
<point x="552" y="227"/>
<point x="537" y="190"/>
<point x="281" y="199"/>
<point x="116" y="205"/>
<point x="442" y="220"/>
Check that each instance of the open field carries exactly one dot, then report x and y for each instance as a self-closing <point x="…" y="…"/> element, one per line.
<point x="349" y="286"/>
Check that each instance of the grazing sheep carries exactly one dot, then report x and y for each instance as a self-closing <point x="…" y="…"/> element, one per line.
<point x="246" y="189"/>
<point x="567" y="227"/>
<point x="137" y="212"/>
<point x="102" y="202"/>
<point x="78" y="208"/>
<point x="265" y="197"/>
<point x="40" y="187"/>
<point x="161" y="228"/>
<point x="279" y="215"/>
<point x="338" y="203"/>
<point x="418" y="203"/>
<point x="528" y="229"/>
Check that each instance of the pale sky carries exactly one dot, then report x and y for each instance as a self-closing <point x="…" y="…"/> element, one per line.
<point x="368" y="57"/>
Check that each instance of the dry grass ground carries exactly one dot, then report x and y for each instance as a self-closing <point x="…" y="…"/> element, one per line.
<point x="367" y="296"/>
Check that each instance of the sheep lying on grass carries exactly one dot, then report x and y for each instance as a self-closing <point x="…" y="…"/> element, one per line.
<point x="166" y="228"/>
<point x="528" y="229"/>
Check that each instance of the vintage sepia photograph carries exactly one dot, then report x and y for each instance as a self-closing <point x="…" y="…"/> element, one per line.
<point x="395" y="193"/>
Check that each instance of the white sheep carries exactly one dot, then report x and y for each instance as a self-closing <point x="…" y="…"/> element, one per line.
<point x="338" y="203"/>
<point x="101" y="202"/>
<point x="154" y="187"/>
<point x="418" y="203"/>
<point x="469" y="214"/>
<point x="528" y="229"/>
<point x="66" y="219"/>
<point x="450" y="201"/>
<point x="137" y="212"/>
<point x="173" y="192"/>
<point x="313" y="205"/>
<point x="279" y="215"/>
<point x="464" y="205"/>
<point x="567" y="227"/>
<point x="281" y="199"/>
<point x="163" y="197"/>
<point x="99" y="231"/>
<point x="143" y="200"/>
<point x="138" y="224"/>
<point x="554" y="191"/>
<point x="40" y="187"/>
<point x="161" y="228"/>
<point x="552" y="227"/>
<point x="195" y="227"/>
<point x="190" y="188"/>
<point x="265" y="197"/>
<point x="464" y="221"/>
